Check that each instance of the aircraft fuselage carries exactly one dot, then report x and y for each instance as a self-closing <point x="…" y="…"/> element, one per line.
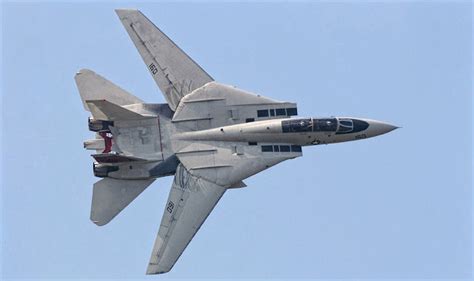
<point x="298" y="131"/>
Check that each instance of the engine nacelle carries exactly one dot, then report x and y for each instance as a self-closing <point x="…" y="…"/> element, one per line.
<point x="99" y="125"/>
<point x="102" y="171"/>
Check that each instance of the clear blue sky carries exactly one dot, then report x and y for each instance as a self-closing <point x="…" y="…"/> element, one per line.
<point x="395" y="206"/>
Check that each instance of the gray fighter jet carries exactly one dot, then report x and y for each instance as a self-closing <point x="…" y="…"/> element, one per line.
<point x="210" y="136"/>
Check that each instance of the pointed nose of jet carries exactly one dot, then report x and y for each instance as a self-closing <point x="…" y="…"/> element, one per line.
<point x="377" y="128"/>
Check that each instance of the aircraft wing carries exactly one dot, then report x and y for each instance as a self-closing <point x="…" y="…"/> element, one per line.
<point x="190" y="201"/>
<point x="207" y="169"/>
<point x="175" y="73"/>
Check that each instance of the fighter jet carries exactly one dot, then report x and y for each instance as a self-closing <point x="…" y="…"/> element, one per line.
<point x="210" y="136"/>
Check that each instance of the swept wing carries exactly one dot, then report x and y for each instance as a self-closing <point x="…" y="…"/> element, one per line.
<point x="175" y="73"/>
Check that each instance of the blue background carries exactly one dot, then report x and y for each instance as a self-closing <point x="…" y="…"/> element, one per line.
<point x="395" y="206"/>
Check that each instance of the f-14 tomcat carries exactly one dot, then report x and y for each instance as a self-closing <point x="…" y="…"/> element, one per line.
<point x="208" y="135"/>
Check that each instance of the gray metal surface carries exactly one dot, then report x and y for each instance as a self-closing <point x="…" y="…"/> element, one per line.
<point x="111" y="196"/>
<point x="92" y="86"/>
<point x="227" y="163"/>
<point x="175" y="73"/>
<point x="106" y="110"/>
<point x="216" y="104"/>
<point x="190" y="201"/>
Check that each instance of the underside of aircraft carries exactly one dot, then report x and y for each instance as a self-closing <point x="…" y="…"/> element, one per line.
<point x="210" y="136"/>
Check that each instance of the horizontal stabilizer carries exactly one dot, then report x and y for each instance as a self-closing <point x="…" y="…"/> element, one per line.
<point x="111" y="196"/>
<point x="95" y="87"/>
<point x="105" y="110"/>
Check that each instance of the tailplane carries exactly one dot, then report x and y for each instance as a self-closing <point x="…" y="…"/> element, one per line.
<point x="95" y="87"/>
<point x="111" y="196"/>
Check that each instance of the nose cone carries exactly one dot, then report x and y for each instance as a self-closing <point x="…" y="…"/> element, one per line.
<point x="378" y="128"/>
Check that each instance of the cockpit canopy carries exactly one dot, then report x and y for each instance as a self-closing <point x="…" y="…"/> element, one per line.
<point x="309" y="125"/>
<point x="345" y="125"/>
<point x="338" y="125"/>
